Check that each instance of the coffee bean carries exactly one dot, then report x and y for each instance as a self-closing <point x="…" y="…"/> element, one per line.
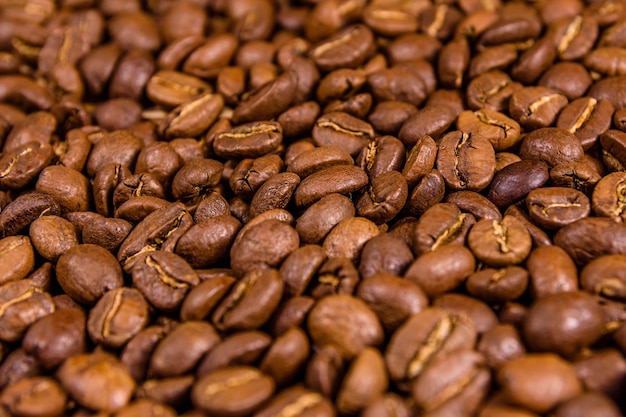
<point x="342" y="130"/>
<point x="500" y="344"/>
<point x="524" y="381"/>
<point x="501" y="131"/>
<point x="566" y="340"/>
<point x="163" y="278"/>
<point x="536" y="107"/>
<point x="23" y="210"/>
<point x="287" y="356"/>
<point x="242" y="348"/>
<point x="384" y="253"/>
<point x="249" y="140"/>
<point x="365" y="380"/>
<point x="76" y="269"/>
<point x="551" y="145"/>
<point x="588" y="238"/>
<point x="603" y="276"/>
<point x="349" y="336"/>
<point x="440" y="225"/>
<point x="52" y="236"/>
<point x="201" y="300"/>
<point x="318" y="158"/>
<point x="500" y="243"/>
<point x="589" y="403"/>
<point x="236" y="390"/>
<point x="348" y="237"/>
<point x="34" y="396"/>
<point x="97" y="380"/>
<point x="118" y="316"/>
<point x="56" y="337"/>
<point x="498" y="285"/>
<point x="432" y="120"/>
<point x="299" y="400"/>
<point x="271" y="99"/>
<point x="423" y="337"/>
<point x="16" y="258"/>
<point x="555" y="207"/>
<point x="587" y="118"/>
<point x="466" y="161"/>
<point x="331" y="53"/>
<point x="137" y="352"/>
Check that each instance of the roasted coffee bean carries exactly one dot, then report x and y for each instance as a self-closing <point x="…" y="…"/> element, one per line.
<point x="192" y="117"/>
<point x="87" y="271"/>
<point x="242" y="348"/>
<point x="250" y="302"/>
<point x="491" y="90"/>
<point x="458" y="380"/>
<point x="118" y="316"/>
<point x="578" y="175"/>
<point x="236" y="390"/>
<point x="137" y="352"/>
<point x="332" y="54"/>
<point x="146" y="407"/>
<point x="502" y="131"/>
<point x="318" y="158"/>
<point x="299" y="400"/>
<point x="173" y="391"/>
<point x="56" y="337"/>
<point x="436" y="277"/>
<point x="287" y="356"/>
<point x="500" y="243"/>
<point x="479" y="312"/>
<point x="173" y="88"/>
<point x="80" y="373"/>
<point x="551" y="145"/>
<point x="270" y="100"/>
<point x="587" y="118"/>
<point x="392" y="298"/>
<point x="440" y="225"/>
<point x="604" y="276"/>
<point x="40" y="396"/>
<point x="164" y="278"/>
<point x="513" y="182"/>
<point x="344" y="334"/>
<point x="422" y="338"/>
<point x="555" y="207"/>
<point x="613" y="149"/>
<point x="432" y="120"/>
<point x="498" y="285"/>
<point x="577" y="76"/>
<point x="568" y="333"/>
<point x="525" y="381"/>
<point x="536" y="107"/>
<point x="389" y="116"/>
<point x="17" y="258"/>
<point x="586" y="239"/>
<point x="16" y="216"/>
<point x="195" y="337"/>
<point x="250" y="174"/>
<point x="22" y="165"/>
<point x="384" y="253"/>
<point x="335" y="276"/>
<point x="475" y="204"/>
<point x="18" y="365"/>
<point x="537" y="235"/>
<point x="342" y="130"/>
<point x="500" y="344"/>
<point x="250" y="140"/>
<point x="590" y="404"/>
<point x="466" y="161"/>
<point x="342" y="179"/>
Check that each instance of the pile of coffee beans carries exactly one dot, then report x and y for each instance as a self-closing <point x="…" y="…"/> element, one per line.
<point x="285" y="208"/>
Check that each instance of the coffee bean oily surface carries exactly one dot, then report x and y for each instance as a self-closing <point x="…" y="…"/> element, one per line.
<point x="281" y="208"/>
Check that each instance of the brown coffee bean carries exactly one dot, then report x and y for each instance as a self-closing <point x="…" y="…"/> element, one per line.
<point x="207" y="242"/>
<point x="196" y="338"/>
<point x="23" y="210"/>
<point x="348" y="237"/>
<point x="173" y="88"/>
<point x="574" y="36"/>
<point x="299" y="400"/>
<point x="555" y="207"/>
<point x="270" y="100"/>
<point x="590" y="404"/>
<point x="342" y="179"/>
<point x="287" y="356"/>
<point x="498" y="285"/>
<point x="164" y="278"/>
<point x="604" y="276"/>
<point x="250" y="302"/>
<point x="475" y="204"/>
<point x="233" y="391"/>
<point x="315" y="223"/>
<point x="332" y="53"/>
<point x="458" y="380"/>
<point x="212" y="205"/>
<point x="275" y="193"/>
<point x="263" y="245"/>
<point x="146" y="407"/>
<point x="23" y="164"/>
<point x="298" y="120"/>
<point x="384" y="253"/>
<point x="440" y="225"/>
<point x="492" y="59"/>
<point x="318" y="158"/>
<point x="576" y="322"/>
<point x="192" y="117"/>
<point x="411" y="87"/>
<point x="432" y="120"/>
<point x="500" y="344"/>
<point x="388" y="116"/>
<point x="392" y="298"/>
<point x="250" y="140"/>
<point x="56" y="337"/>
<point x="351" y="335"/>
<point x="587" y="118"/>
<point x="578" y="175"/>
<point x="365" y="380"/>
<point x="599" y="370"/>
<point x="466" y="161"/>
<point x="173" y="391"/>
<point x="537" y="235"/>
<point x="209" y="57"/>
<point x="18" y="365"/>
<point x="428" y="191"/>
<point x="52" y="236"/>
<point x="81" y="373"/>
<point x="86" y="272"/>
<point x="501" y="131"/>
<point x="118" y="316"/>
<point x="525" y="381"/>
<point x="136" y="354"/>
<point x="551" y="145"/>
<point x="250" y="174"/>
<point x="119" y="147"/>
<point x="16" y="258"/>
<point x="342" y="130"/>
<point x="436" y="277"/>
<point x="159" y="230"/>
<point x="491" y="90"/>
<point x="536" y="107"/>
<point x="41" y="396"/>
<point x="422" y="338"/>
<point x="613" y="149"/>
<point x="241" y="348"/>
<point x="500" y="243"/>
<point x="586" y="239"/>
<point x="479" y="312"/>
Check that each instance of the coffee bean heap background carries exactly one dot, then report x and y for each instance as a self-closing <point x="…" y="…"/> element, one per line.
<point x="313" y="208"/>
